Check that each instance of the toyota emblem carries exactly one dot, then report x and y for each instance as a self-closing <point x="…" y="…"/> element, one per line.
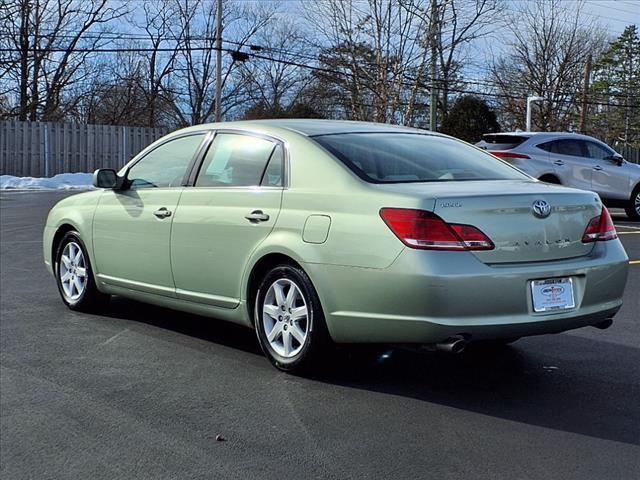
<point x="541" y="209"/>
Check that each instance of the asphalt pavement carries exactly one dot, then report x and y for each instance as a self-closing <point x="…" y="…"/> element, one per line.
<point x="143" y="392"/>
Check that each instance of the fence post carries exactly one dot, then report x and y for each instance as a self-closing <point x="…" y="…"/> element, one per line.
<point x="46" y="149"/>
<point x="124" y="146"/>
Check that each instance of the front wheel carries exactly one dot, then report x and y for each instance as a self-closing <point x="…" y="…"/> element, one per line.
<point x="633" y="209"/>
<point x="74" y="275"/>
<point x="289" y="320"/>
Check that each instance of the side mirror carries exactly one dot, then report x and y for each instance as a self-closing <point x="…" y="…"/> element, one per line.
<point x="616" y="158"/>
<point x="105" y="178"/>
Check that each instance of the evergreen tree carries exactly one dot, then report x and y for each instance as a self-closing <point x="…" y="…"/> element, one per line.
<point x="469" y="118"/>
<point x="616" y="82"/>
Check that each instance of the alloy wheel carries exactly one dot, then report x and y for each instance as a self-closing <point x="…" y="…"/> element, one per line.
<point x="72" y="271"/>
<point x="637" y="203"/>
<point x="285" y="318"/>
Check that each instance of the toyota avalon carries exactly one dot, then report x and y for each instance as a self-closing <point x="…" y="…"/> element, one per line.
<point x="317" y="233"/>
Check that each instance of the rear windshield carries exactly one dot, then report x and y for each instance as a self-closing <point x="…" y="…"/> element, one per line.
<point x="410" y="157"/>
<point x="499" y="141"/>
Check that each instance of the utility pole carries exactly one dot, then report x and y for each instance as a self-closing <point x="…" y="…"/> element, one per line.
<point x="529" y="101"/>
<point x="585" y="89"/>
<point x="218" y="61"/>
<point x="434" y="93"/>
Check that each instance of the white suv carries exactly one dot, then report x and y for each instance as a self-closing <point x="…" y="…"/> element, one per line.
<point x="573" y="160"/>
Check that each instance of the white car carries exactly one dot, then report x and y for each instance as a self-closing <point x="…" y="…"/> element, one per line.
<point x="573" y="160"/>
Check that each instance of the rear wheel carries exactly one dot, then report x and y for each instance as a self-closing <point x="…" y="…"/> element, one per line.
<point x="633" y="209"/>
<point x="289" y="321"/>
<point x="74" y="275"/>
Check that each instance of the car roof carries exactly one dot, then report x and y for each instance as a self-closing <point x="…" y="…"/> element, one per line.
<point x="314" y="127"/>
<point x="540" y="135"/>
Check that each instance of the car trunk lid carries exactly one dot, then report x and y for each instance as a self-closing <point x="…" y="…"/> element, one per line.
<point x="503" y="210"/>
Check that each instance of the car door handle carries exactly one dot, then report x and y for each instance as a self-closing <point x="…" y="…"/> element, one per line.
<point x="559" y="163"/>
<point x="257" y="216"/>
<point x="162" y="213"/>
<point x="597" y="167"/>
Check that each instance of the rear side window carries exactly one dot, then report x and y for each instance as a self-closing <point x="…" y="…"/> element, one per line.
<point x="235" y="160"/>
<point x="501" y="141"/>
<point x="274" y="173"/>
<point x="548" y="146"/>
<point x="568" y="147"/>
<point x="408" y="157"/>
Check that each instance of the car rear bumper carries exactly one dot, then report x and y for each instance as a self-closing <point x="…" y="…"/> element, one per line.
<point x="426" y="296"/>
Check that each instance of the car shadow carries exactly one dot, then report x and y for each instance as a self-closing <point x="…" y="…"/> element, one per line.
<point x="561" y="382"/>
<point x="210" y="330"/>
<point x="622" y="217"/>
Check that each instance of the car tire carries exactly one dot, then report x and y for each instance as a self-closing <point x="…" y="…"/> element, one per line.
<point x="74" y="275"/>
<point x="633" y="209"/>
<point x="289" y="320"/>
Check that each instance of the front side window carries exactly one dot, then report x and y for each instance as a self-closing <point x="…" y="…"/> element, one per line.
<point x="166" y="165"/>
<point x="235" y="160"/>
<point x="410" y="157"/>
<point x="597" y="151"/>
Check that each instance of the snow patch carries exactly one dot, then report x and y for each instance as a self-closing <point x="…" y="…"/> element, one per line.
<point x="63" y="181"/>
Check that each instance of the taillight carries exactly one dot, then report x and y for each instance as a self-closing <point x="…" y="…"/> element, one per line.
<point x="501" y="154"/>
<point x="600" y="228"/>
<point x="426" y="230"/>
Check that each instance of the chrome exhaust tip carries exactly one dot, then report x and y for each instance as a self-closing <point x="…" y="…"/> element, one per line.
<point x="455" y="344"/>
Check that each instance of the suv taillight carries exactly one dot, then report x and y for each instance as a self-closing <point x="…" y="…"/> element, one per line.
<point x="426" y="230"/>
<point x="503" y="154"/>
<point x="600" y="228"/>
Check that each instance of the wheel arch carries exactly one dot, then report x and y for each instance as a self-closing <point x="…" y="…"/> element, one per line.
<point x="61" y="231"/>
<point x="550" y="178"/>
<point x="257" y="272"/>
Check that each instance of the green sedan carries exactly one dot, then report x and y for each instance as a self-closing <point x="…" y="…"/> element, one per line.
<point x="316" y="233"/>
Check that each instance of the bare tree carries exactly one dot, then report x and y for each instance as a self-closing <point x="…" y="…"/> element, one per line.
<point x="165" y="34"/>
<point x="194" y="79"/>
<point x="454" y="27"/>
<point x="547" y="52"/>
<point x="118" y="93"/>
<point x="52" y="41"/>
<point x="376" y="52"/>
<point x="274" y="81"/>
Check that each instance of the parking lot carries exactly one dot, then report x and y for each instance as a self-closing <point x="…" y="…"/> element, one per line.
<point x="142" y="392"/>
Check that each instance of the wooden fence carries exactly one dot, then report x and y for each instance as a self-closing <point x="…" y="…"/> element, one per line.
<point x="630" y="154"/>
<point x="43" y="149"/>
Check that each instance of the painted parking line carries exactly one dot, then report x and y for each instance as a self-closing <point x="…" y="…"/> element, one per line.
<point x="628" y="233"/>
<point x="634" y="262"/>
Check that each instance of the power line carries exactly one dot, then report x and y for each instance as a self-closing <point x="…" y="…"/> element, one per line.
<point x="316" y="69"/>
<point x="582" y="12"/>
<point x="477" y="82"/>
